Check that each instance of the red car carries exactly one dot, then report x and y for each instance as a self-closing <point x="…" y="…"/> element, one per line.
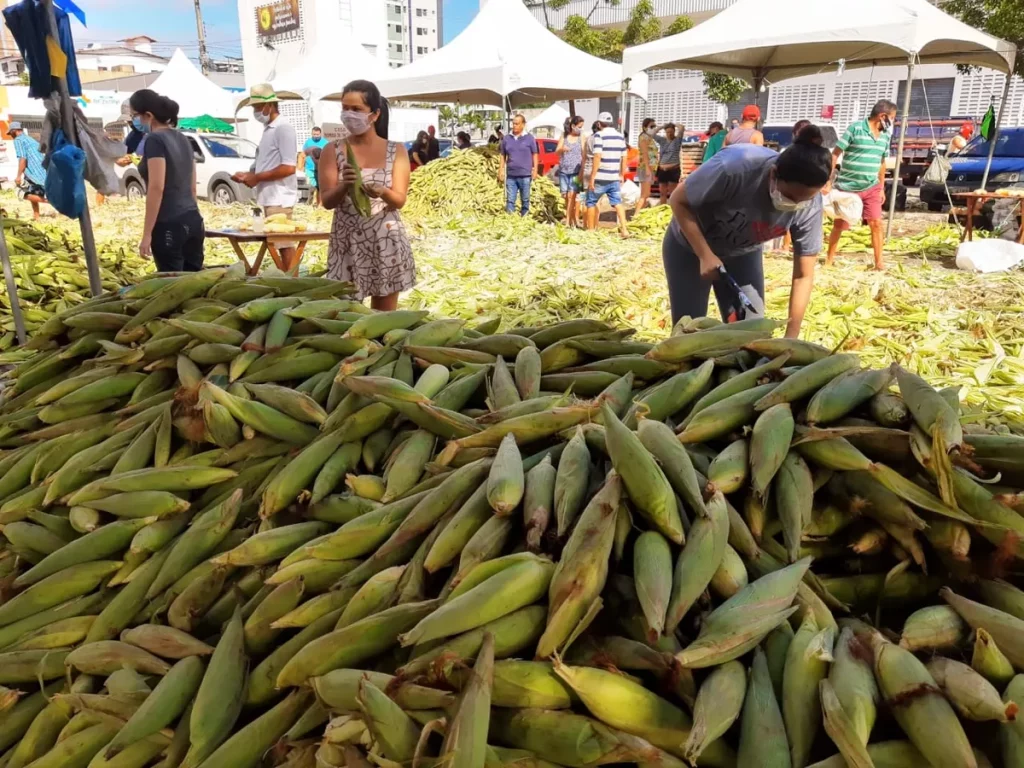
<point x="547" y="157"/>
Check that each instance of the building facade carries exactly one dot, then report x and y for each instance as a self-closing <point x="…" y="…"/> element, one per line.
<point x="414" y="29"/>
<point x="939" y="90"/>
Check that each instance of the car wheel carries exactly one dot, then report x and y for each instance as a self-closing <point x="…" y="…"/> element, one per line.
<point x="223" y="194"/>
<point x="936" y="207"/>
<point x="134" y="190"/>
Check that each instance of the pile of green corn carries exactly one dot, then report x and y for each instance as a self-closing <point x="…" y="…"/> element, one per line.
<point x="249" y="522"/>
<point x="464" y="186"/>
<point x="50" y="274"/>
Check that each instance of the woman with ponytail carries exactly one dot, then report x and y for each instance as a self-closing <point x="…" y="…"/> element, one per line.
<point x="372" y="252"/>
<point x="174" y="233"/>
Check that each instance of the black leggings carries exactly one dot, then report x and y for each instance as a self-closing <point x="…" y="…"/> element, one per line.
<point x="688" y="293"/>
<point x="178" y="245"/>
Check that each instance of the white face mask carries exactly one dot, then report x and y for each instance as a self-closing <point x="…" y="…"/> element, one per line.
<point x="782" y="203"/>
<point x="652" y="130"/>
<point x="356" y="123"/>
<point x="261" y="118"/>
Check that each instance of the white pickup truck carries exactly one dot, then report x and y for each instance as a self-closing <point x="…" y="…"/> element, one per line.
<point x="218" y="157"/>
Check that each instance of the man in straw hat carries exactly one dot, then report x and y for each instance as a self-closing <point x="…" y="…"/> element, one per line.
<point x="273" y="176"/>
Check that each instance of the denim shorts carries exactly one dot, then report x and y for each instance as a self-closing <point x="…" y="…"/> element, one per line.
<point x="611" y="188"/>
<point x="568" y="182"/>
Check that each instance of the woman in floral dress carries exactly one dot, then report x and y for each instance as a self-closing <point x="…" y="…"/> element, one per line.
<point x="372" y="252"/>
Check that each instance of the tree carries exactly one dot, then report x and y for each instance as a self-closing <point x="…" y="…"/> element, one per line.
<point x="722" y="88"/>
<point x="1002" y="18"/>
<point x="643" y="26"/>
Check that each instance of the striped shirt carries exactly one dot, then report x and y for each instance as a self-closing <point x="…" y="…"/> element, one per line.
<point x="669" y="150"/>
<point x="863" y="155"/>
<point x="611" y="146"/>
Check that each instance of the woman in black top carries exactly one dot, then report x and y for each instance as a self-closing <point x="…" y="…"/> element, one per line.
<point x="174" y="233"/>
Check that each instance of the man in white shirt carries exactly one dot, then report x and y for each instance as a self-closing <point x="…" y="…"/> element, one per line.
<point x="274" y="177"/>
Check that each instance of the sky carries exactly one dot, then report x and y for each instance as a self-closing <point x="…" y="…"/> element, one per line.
<point x="175" y="25"/>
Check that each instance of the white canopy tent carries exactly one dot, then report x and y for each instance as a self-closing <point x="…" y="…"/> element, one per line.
<point x="555" y="116"/>
<point x="752" y="40"/>
<point x="195" y="93"/>
<point x="505" y="56"/>
<point x="326" y="70"/>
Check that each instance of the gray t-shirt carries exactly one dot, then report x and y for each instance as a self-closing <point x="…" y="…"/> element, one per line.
<point x="278" y="146"/>
<point x="731" y="198"/>
<point x="176" y="150"/>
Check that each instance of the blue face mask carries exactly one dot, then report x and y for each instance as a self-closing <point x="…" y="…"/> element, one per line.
<point x="138" y="125"/>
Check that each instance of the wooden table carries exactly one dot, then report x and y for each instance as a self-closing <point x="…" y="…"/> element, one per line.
<point x="269" y="242"/>
<point x="976" y="200"/>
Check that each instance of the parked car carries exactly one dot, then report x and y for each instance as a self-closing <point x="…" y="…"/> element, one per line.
<point x="548" y="158"/>
<point x="968" y="166"/>
<point x="218" y="157"/>
<point x="782" y="135"/>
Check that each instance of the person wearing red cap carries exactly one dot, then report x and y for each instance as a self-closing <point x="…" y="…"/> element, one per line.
<point x="960" y="140"/>
<point x="746" y="132"/>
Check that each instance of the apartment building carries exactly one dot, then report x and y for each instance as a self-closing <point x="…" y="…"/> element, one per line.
<point x="414" y="29"/>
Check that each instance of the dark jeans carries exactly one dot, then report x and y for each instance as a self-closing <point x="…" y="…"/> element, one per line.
<point x="517" y="185"/>
<point x="178" y="244"/>
<point x="688" y="293"/>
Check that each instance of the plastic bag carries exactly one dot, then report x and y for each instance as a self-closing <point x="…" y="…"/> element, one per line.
<point x="843" y="205"/>
<point x="101" y="154"/>
<point x="65" y="177"/>
<point x="937" y="171"/>
<point x="630" y="194"/>
<point x="991" y="255"/>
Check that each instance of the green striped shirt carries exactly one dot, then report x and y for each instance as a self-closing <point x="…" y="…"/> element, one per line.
<point x="863" y="155"/>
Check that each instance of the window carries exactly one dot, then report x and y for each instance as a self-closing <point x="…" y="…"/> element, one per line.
<point x="420" y="49"/>
<point x="1008" y="144"/>
<point x="420" y="12"/>
<point x="421" y="30"/>
<point x="398" y="48"/>
<point x="230" y="146"/>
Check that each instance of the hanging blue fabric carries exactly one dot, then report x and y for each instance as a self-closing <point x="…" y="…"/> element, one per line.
<point x="65" y="177"/>
<point x="73" y="9"/>
<point x="29" y="27"/>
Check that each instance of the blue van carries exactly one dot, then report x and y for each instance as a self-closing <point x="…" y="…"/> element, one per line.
<point x="968" y="166"/>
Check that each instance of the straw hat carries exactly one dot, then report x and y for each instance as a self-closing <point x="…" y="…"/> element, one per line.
<point x="264" y="93"/>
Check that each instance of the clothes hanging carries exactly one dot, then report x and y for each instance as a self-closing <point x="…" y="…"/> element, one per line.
<point x="28" y="24"/>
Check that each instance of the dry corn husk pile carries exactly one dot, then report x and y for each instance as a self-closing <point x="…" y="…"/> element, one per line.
<point x="937" y="241"/>
<point x="248" y="522"/>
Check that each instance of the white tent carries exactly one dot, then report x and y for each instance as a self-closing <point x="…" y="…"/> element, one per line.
<point x="752" y="40"/>
<point x="553" y="116"/>
<point x="506" y="56"/>
<point x="326" y="70"/>
<point x="195" y="93"/>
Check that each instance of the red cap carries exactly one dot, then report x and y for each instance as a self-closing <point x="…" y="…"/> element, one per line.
<point x="966" y="130"/>
<point x="751" y="112"/>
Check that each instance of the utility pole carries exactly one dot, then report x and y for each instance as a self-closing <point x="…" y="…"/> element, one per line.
<point x="204" y="57"/>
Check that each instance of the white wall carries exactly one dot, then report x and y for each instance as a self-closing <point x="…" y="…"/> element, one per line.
<point x="141" y="64"/>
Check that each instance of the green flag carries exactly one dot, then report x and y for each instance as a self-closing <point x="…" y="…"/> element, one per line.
<point x="988" y="124"/>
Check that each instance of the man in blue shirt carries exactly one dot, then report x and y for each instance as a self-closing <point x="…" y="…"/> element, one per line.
<point x="316" y="141"/>
<point x="518" y="165"/>
<point x="31" y="174"/>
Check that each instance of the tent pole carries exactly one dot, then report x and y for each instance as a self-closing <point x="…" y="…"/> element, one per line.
<point x="995" y="135"/>
<point x="12" y="288"/>
<point x="67" y="116"/>
<point x="899" y="150"/>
